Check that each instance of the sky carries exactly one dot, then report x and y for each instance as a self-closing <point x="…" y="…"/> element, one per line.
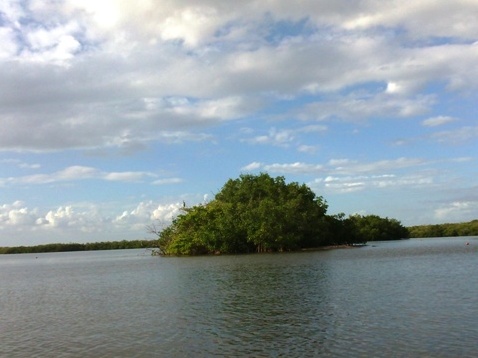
<point x="114" y="112"/>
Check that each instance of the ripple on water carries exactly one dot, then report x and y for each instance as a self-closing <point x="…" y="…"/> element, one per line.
<point x="414" y="298"/>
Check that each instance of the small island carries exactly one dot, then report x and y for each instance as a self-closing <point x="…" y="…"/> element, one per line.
<point x="259" y="213"/>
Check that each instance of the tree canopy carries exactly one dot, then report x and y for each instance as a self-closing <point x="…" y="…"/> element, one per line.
<point x="258" y="213"/>
<point x="375" y="228"/>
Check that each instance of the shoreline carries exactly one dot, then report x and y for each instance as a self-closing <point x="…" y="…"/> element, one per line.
<point x="332" y="247"/>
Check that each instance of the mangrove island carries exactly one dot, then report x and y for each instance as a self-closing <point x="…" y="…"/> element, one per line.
<point x="259" y="213"/>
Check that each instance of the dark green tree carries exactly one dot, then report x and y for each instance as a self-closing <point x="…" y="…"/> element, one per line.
<point x="252" y="213"/>
<point x="259" y="213"/>
<point x="375" y="228"/>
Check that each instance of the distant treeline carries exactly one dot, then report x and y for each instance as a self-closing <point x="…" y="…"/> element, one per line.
<point x="106" y="245"/>
<point x="445" y="230"/>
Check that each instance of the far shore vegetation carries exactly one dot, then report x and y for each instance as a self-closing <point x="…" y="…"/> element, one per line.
<point x="469" y="228"/>
<point x="92" y="246"/>
<point x="258" y="213"/>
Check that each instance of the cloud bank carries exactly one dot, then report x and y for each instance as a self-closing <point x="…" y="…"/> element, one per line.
<point x="100" y="74"/>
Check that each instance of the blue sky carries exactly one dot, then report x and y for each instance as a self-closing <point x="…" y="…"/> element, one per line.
<point x="114" y="112"/>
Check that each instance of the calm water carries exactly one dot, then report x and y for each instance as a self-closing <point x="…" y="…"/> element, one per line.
<point x="414" y="298"/>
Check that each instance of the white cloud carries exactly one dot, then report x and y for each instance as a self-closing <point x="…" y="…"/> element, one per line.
<point x="16" y="214"/>
<point x="191" y="24"/>
<point x="21" y="164"/>
<point x="71" y="222"/>
<point x="252" y="166"/>
<point x="9" y="46"/>
<point x="457" y="211"/>
<point x="437" y="121"/>
<point x="127" y="176"/>
<point x="120" y="78"/>
<point x="310" y="149"/>
<point x="294" y="168"/>
<point x="403" y="87"/>
<point x="147" y="213"/>
<point x="176" y="137"/>
<point x="75" y="173"/>
<point x="314" y="128"/>
<point x="457" y="136"/>
<point x="449" y="19"/>
<point x="62" y="217"/>
<point x="196" y="23"/>
<point x="29" y="166"/>
<point x="283" y="137"/>
<point x="12" y="11"/>
<point x="342" y="185"/>
<point x="166" y="213"/>
<point x="361" y="107"/>
<point x="54" y="45"/>
<point x="350" y="167"/>
<point x="279" y="137"/>
<point x="167" y="181"/>
<point x="348" y="184"/>
<point x="196" y="111"/>
<point x="67" y="174"/>
<point x="347" y="176"/>
<point x="341" y="167"/>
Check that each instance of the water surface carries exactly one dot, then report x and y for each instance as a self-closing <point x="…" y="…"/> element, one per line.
<point x="396" y="299"/>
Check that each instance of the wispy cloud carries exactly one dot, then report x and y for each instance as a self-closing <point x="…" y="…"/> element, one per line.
<point x="457" y="211"/>
<point x="346" y="175"/>
<point x="166" y="181"/>
<point x="293" y="168"/>
<point x="311" y="149"/>
<point x="347" y="167"/>
<point x="457" y="135"/>
<point x="76" y="173"/>
<point x="347" y="184"/>
<point x="252" y="166"/>
<point x="21" y="164"/>
<point x="340" y="166"/>
<point x="287" y="168"/>
<point x="355" y="107"/>
<point x="285" y="137"/>
<point x="275" y="137"/>
<point x="438" y="121"/>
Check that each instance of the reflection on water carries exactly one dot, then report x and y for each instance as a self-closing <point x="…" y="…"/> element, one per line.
<point x="401" y="299"/>
<point x="255" y="304"/>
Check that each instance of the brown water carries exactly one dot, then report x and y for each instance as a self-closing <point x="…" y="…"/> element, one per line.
<point x="413" y="298"/>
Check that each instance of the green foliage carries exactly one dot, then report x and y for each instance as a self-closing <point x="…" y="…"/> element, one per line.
<point x="445" y="230"/>
<point x="375" y="228"/>
<point x="265" y="214"/>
